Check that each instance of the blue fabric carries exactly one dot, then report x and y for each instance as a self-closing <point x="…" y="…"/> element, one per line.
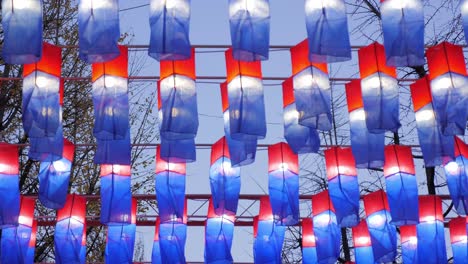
<point x="327" y="31"/>
<point x="83" y="254"/>
<point x="431" y="242"/>
<point x="98" y="30"/>
<point x="172" y="237"/>
<point x="116" y="199"/>
<point x="402" y="194"/>
<point x="327" y="237"/>
<point x="364" y="255"/>
<point x="15" y="244"/>
<point x="218" y="241"/>
<point x="344" y="194"/>
<point x="403" y="32"/>
<point x="170" y="195"/>
<point x="30" y="255"/>
<point x="120" y="244"/>
<point x="156" y="253"/>
<point x="67" y="240"/>
<point x="10" y="197"/>
<point x="268" y="244"/>
<point x="300" y="138"/>
<point x="409" y="253"/>
<point x="309" y="255"/>
<point x="383" y="236"/>
<point x="54" y="178"/>
<point x="242" y="152"/>
<point x="47" y="149"/>
<point x="460" y="252"/>
<point x="283" y="187"/>
<point x="381" y="103"/>
<point x="113" y="151"/>
<point x="457" y="181"/>
<point x="22" y="29"/>
<point x="169" y="27"/>
<point x="225" y="183"/>
<point x="250" y="29"/>
<point x="178" y="151"/>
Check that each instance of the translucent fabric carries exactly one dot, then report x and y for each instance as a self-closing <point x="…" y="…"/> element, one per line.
<point x="14" y="245"/>
<point x="116" y="199"/>
<point x="178" y="151"/>
<point x="327" y="237"/>
<point x="283" y="188"/>
<point x="225" y="183"/>
<point x="242" y="152"/>
<point x="409" y="252"/>
<point x="218" y="240"/>
<point x="457" y="181"/>
<point x="67" y="240"/>
<point x="170" y="195"/>
<point x="431" y="242"/>
<point x="344" y="194"/>
<point x="114" y="151"/>
<point x="156" y="253"/>
<point x="383" y="236"/>
<point x="172" y="237"/>
<point x="10" y="197"/>
<point x="309" y="255"/>
<point x="47" y="149"/>
<point x="268" y="243"/>
<point x="300" y="138"/>
<point x="120" y="244"/>
<point x="54" y="178"/>
<point x="402" y="194"/>
<point x="364" y="255"/>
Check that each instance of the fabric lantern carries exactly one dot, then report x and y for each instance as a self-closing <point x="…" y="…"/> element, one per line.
<point x="458" y="239"/>
<point x="156" y="253"/>
<point x="69" y="229"/>
<point x="249" y="21"/>
<point x="326" y="230"/>
<point x="362" y="244"/>
<point x="98" y="30"/>
<point x="32" y="244"/>
<point x="117" y="151"/>
<point x="170" y="26"/>
<point x="9" y="187"/>
<point x="402" y="187"/>
<point x="379" y="90"/>
<point x="448" y="76"/>
<point x="22" y="28"/>
<point x="268" y="237"/>
<point x="431" y="237"/>
<point x="172" y="237"/>
<point x="343" y="185"/>
<point x="382" y="233"/>
<point x="327" y="30"/>
<point x="457" y="177"/>
<point x="312" y="90"/>
<point x="436" y="148"/>
<point x="367" y="147"/>
<point x="309" y="252"/>
<point x="16" y="239"/>
<point x="116" y="194"/>
<point x="54" y="178"/>
<point x="409" y="244"/>
<point x="403" y="32"/>
<point x="83" y="246"/>
<point x="225" y="181"/>
<point x="301" y="139"/>
<point x="219" y="231"/>
<point x="283" y="184"/>
<point x="121" y="240"/>
<point x="464" y="15"/>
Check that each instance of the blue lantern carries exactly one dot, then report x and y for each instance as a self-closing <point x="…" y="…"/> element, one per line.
<point x="457" y="177"/>
<point x="47" y="149"/>
<point x="219" y="231"/>
<point x="172" y="237"/>
<point x="362" y="244"/>
<point x="32" y="244"/>
<point x="116" y="151"/>
<point x="409" y="244"/>
<point x="458" y="239"/>
<point x="156" y="252"/>
<point x="9" y="187"/>
<point x="309" y="252"/>
<point x="116" y="194"/>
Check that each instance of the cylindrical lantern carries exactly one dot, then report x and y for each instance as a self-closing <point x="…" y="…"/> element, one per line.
<point x="457" y="177"/>
<point x="283" y="183"/>
<point x="402" y="187"/>
<point x="312" y="90"/>
<point x="326" y="230"/>
<point x="156" y="252"/>
<point x="362" y="244"/>
<point x="225" y="181"/>
<point x="309" y="252"/>
<point x="170" y="26"/>
<point x="69" y="229"/>
<point x="403" y="32"/>
<point x="448" y="76"/>
<point x="249" y="21"/>
<point x="368" y="148"/>
<point x="172" y="237"/>
<point x="98" y="30"/>
<point x="116" y="194"/>
<point x="32" y="244"/>
<point x="54" y="178"/>
<point x="22" y="28"/>
<point x="409" y="244"/>
<point x="327" y="30"/>
<point x="343" y="185"/>
<point x="437" y="149"/>
<point x="219" y="231"/>
<point x="83" y="247"/>
<point x="458" y="239"/>
<point x="9" y="182"/>
<point x="379" y="90"/>
<point x="301" y="139"/>
<point x="117" y="151"/>
<point x="382" y="233"/>
<point x="431" y="235"/>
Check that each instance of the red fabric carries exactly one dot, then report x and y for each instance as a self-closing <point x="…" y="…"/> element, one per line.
<point x="158" y="91"/>
<point x="116" y="67"/>
<point x="372" y="59"/>
<point x="376" y="201"/>
<point x="50" y="63"/>
<point x="224" y="96"/>
<point x="219" y="149"/>
<point x="421" y="93"/>
<point x="75" y="207"/>
<point x="361" y="236"/>
<point x="134" y="210"/>
<point x="281" y="154"/>
<point x="457" y="228"/>
<point x="430" y="208"/>
<point x="68" y="150"/>
<point x="288" y="92"/>
<point x="408" y="232"/>
<point x="461" y="148"/>
<point x="26" y="215"/>
<point x="354" y="95"/>
<point x="122" y="170"/>
<point x="255" y="226"/>
<point x="265" y="213"/>
<point x="300" y="58"/>
<point x="308" y="237"/>
<point x="340" y="161"/>
<point x="32" y="240"/>
<point x="445" y="57"/>
<point x="83" y="237"/>
<point x="156" y="229"/>
<point x="180" y="67"/>
<point x="9" y="163"/>
<point x="398" y="159"/>
<point x="162" y="165"/>
<point x="212" y="213"/>
<point x="321" y="202"/>
<point x="61" y="91"/>
<point x="235" y="68"/>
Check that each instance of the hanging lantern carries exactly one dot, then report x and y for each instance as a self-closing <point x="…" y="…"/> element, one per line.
<point x="301" y="139"/>
<point x="431" y="235"/>
<point x="448" y="76"/>
<point x="54" y="178"/>
<point x="69" y="229"/>
<point x="457" y="177"/>
<point x="83" y="246"/>
<point x="22" y="29"/>
<point x="116" y="151"/>
<point x="362" y="244"/>
<point x="382" y="233"/>
<point x="379" y="90"/>
<point x="458" y="239"/>
<point x="409" y="244"/>
<point x="402" y="187"/>
<point x="170" y="27"/>
<point x="116" y="194"/>
<point x="309" y="252"/>
<point x="121" y="240"/>
<point x="437" y="149"/>
<point x="249" y="21"/>
<point x="9" y="191"/>
<point x="15" y="239"/>
<point x="156" y="253"/>
<point x="283" y="183"/>
<point x="403" y="32"/>
<point x="172" y="237"/>
<point x="368" y="148"/>
<point x="98" y="30"/>
<point x="327" y="30"/>
<point x="219" y="231"/>
<point x="32" y="244"/>
<point x="343" y="185"/>
<point x="311" y="89"/>
<point x="268" y="237"/>
<point x="326" y="229"/>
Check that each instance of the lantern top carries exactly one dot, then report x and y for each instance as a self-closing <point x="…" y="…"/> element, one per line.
<point x="421" y="93"/>
<point x="288" y="92"/>
<point x="164" y="166"/>
<point x="300" y="58"/>
<point x="212" y="214"/>
<point x="255" y="226"/>
<point x="461" y="148"/>
<point x="321" y="203"/>
<point x="398" y="159"/>
<point x="219" y="149"/>
<point x="26" y="215"/>
<point x="180" y="67"/>
<point x="235" y="67"/>
<point x="116" y="67"/>
<point x="224" y="96"/>
<point x="354" y="95"/>
<point x="265" y="213"/>
<point x="340" y="161"/>
<point x="75" y="207"/>
<point x="430" y="209"/>
<point x="457" y="227"/>
<point x="50" y="62"/>
<point x="122" y="170"/>
<point x="68" y="149"/>
<point x="375" y="201"/>
<point x="408" y="233"/>
<point x="9" y="156"/>
<point x="361" y="236"/>
<point x="372" y="59"/>
<point x="445" y="57"/>
<point x="281" y="157"/>
<point x="308" y="237"/>
<point x="134" y="210"/>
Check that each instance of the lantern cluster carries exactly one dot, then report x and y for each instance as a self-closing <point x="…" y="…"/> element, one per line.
<point x="457" y="177"/>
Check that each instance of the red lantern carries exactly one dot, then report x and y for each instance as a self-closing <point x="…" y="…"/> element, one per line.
<point x="308" y="238"/>
<point x="10" y="195"/>
<point x="26" y="216"/>
<point x="458" y="239"/>
<point x="339" y="161"/>
<point x="75" y="208"/>
<point x="265" y="213"/>
<point x="431" y="237"/>
<point x="445" y="58"/>
<point x="361" y="236"/>
<point x="409" y="244"/>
